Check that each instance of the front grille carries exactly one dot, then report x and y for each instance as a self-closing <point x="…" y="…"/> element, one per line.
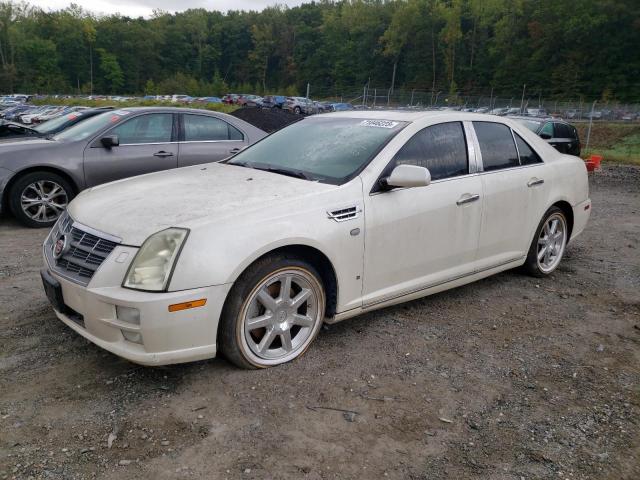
<point x="85" y="251"/>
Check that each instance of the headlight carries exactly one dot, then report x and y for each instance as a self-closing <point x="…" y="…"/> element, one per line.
<point x="152" y="266"/>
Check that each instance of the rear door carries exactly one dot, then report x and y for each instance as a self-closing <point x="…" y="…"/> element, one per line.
<point x="146" y="145"/>
<point x="514" y="193"/>
<point x="206" y="138"/>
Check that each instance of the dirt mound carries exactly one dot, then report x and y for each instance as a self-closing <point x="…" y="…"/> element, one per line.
<point x="267" y="119"/>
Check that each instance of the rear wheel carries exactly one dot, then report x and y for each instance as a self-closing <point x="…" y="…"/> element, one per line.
<point x="37" y="199"/>
<point x="548" y="245"/>
<point x="297" y="110"/>
<point x="273" y="313"/>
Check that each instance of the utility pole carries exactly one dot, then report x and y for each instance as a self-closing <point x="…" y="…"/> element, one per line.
<point x="586" y="149"/>
<point x="393" y="78"/>
<point x="308" y="87"/>
<point x="524" y="87"/>
<point x="90" y="70"/>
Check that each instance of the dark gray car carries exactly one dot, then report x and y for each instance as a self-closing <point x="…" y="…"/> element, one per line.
<point x="38" y="178"/>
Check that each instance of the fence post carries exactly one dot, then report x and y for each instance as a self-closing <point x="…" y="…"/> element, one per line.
<point x="412" y="92"/>
<point x="593" y="106"/>
<point x="308" y="87"/>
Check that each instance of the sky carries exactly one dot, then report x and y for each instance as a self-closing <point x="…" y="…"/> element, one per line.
<point x="135" y="8"/>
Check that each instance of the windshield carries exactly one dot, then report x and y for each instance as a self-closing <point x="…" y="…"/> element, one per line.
<point x="530" y="124"/>
<point x="330" y="150"/>
<point x="55" y="124"/>
<point x="93" y="125"/>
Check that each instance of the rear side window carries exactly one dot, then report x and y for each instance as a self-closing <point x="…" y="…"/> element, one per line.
<point x="527" y="155"/>
<point x="563" y="130"/>
<point x="202" y="128"/>
<point x="496" y="145"/>
<point x="440" y="148"/>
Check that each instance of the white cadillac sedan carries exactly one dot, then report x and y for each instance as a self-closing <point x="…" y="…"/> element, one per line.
<point x="333" y="216"/>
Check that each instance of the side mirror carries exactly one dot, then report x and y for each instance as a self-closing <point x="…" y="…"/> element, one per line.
<point x="407" y="176"/>
<point x="110" y="141"/>
<point x="545" y="136"/>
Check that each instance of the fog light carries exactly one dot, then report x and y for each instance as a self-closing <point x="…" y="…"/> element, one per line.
<point x="128" y="314"/>
<point x="134" y="337"/>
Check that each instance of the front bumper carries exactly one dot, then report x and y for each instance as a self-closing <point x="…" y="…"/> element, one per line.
<point x="166" y="337"/>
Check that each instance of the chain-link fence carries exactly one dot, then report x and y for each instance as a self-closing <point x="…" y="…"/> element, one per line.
<point x="525" y="104"/>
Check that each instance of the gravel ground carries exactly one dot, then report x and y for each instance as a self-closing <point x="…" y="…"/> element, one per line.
<point x="267" y="119"/>
<point x="508" y="378"/>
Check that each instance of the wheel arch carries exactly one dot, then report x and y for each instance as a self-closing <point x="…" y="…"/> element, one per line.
<point x="32" y="169"/>
<point x="567" y="209"/>
<point x="316" y="257"/>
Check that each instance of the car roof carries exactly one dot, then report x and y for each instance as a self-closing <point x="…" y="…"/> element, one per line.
<point x="409" y="116"/>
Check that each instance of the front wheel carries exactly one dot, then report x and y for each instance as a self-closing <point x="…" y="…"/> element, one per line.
<point x="548" y="245"/>
<point x="273" y="313"/>
<point x="39" y="198"/>
<point x="297" y="110"/>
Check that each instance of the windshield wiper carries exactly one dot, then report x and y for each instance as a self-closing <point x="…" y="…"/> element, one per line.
<point x="284" y="171"/>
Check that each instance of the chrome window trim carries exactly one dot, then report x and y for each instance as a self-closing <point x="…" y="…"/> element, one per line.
<point x="209" y="141"/>
<point x="513" y="136"/>
<point x="473" y="147"/>
<point x="147" y="143"/>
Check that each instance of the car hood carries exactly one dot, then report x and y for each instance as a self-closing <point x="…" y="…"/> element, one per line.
<point x="134" y="208"/>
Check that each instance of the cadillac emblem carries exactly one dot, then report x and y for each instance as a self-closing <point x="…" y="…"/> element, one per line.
<point x="60" y="247"/>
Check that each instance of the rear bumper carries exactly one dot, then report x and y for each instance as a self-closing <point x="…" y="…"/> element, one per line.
<point x="165" y="337"/>
<point x="581" y="214"/>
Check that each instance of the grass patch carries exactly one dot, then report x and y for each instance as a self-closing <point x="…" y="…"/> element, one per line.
<point x="627" y="150"/>
<point x="616" y="142"/>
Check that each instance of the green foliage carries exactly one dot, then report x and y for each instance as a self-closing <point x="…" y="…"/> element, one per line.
<point x="559" y="48"/>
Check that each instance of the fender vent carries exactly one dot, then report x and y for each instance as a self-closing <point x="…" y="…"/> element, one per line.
<point x="344" y="214"/>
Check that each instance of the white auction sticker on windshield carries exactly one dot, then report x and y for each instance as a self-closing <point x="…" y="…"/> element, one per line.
<point x="379" y="123"/>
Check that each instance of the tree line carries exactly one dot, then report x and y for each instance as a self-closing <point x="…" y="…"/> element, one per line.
<point x="559" y="48"/>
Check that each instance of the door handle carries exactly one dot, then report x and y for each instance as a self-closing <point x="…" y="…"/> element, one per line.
<point x="162" y="153"/>
<point x="233" y="151"/>
<point x="535" y="181"/>
<point x="468" y="198"/>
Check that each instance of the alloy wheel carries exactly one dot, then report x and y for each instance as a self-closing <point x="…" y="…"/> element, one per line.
<point x="43" y="200"/>
<point x="282" y="315"/>
<point x="551" y="242"/>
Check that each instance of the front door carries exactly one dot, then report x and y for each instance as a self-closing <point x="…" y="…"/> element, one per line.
<point x="420" y="237"/>
<point x="145" y="146"/>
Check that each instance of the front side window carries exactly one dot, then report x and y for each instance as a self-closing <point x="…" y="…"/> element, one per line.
<point x="496" y="145"/>
<point x="201" y="128"/>
<point x="440" y="148"/>
<point x="547" y="130"/>
<point x="90" y="127"/>
<point x="149" y="128"/>
<point x="329" y="150"/>
<point x="527" y="155"/>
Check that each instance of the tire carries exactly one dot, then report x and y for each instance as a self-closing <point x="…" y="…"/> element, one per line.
<point x="297" y="110"/>
<point x="282" y="331"/>
<point x="545" y="252"/>
<point x="37" y="199"/>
